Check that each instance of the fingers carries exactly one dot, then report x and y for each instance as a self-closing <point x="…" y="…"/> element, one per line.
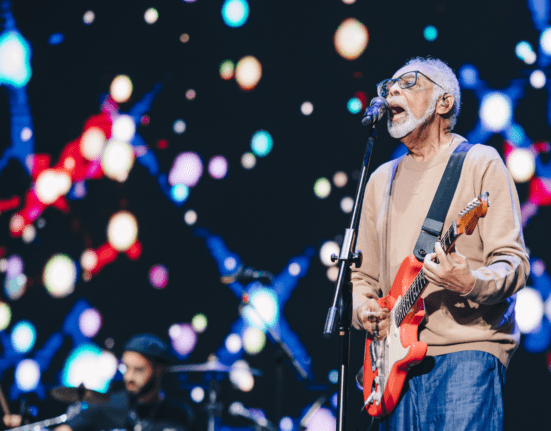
<point x="374" y="319"/>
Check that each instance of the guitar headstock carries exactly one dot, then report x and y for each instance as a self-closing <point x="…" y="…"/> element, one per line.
<point x="467" y="219"/>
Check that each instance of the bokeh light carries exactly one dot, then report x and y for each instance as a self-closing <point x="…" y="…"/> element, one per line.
<point x="123" y="128"/>
<point x="322" y="188"/>
<point x="88" y="17"/>
<point x="27" y="375"/>
<point x="286" y="423"/>
<point x="151" y="15"/>
<point x="117" y="160"/>
<point x="522" y="164"/>
<point x="197" y="394"/>
<point x="182" y="338"/>
<point x="122" y="230"/>
<point x="347" y="204"/>
<point x="17" y="70"/>
<point x="89" y="322"/>
<point x="15" y="287"/>
<point x="179" y="127"/>
<point x="218" y="167"/>
<point x="332" y="273"/>
<point x="51" y="184"/>
<point x="158" y="276"/>
<point x="184" y="38"/>
<point x="14" y="266"/>
<point x="340" y="179"/>
<point x="254" y="340"/>
<point x="59" y="276"/>
<point x="545" y="41"/>
<point x="496" y="111"/>
<point x="326" y="250"/>
<point x="226" y="70"/>
<point x="191" y="94"/>
<point x="5" y="315"/>
<point x="430" y="33"/>
<point x="235" y="12"/>
<point x="351" y="39"/>
<point x="187" y="169"/>
<point x="354" y="105"/>
<point x="121" y="88"/>
<point x="524" y="51"/>
<point x="333" y="376"/>
<point x="262" y="143"/>
<point x="248" y="72"/>
<point x="91" y="366"/>
<point x="233" y="343"/>
<point x="92" y="142"/>
<point x="190" y="217"/>
<point x="538" y="79"/>
<point x="294" y="269"/>
<point x="89" y="260"/>
<point x="264" y="309"/>
<point x="179" y="192"/>
<point x="322" y="420"/>
<point x="468" y="75"/>
<point x="23" y="336"/>
<point x="199" y="323"/>
<point x="248" y="160"/>
<point x="241" y="377"/>
<point x="307" y="108"/>
<point x="528" y="310"/>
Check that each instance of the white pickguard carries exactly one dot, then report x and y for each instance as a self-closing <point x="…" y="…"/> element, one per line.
<point x="387" y="353"/>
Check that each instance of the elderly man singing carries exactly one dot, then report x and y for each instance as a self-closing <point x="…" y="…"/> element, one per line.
<point x="469" y="324"/>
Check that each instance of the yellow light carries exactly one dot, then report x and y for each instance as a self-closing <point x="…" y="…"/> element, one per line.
<point x="248" y="72"/>
<point x="522" y="164"/>
<point x="92" y="142"/>
<point x="51" y="184"/>
<point x="351" y="39"/>
<point x="121" y="88"/>
<point x="122" y="230"/>
<point x="117" y="160"/>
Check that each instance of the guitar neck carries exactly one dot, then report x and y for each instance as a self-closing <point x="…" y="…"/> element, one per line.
<point x="42" y="424"/>
<point x="418" y="286"/>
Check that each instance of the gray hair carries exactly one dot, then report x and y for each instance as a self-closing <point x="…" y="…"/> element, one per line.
<point x="441" y="73"/>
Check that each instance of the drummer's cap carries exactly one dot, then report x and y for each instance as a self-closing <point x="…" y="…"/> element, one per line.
<point x="148" y="345"/>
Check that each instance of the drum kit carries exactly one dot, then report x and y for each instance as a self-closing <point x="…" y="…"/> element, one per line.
<point x="81" y="396"/>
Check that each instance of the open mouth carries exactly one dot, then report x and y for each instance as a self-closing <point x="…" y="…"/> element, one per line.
<point x="396" y="112"/>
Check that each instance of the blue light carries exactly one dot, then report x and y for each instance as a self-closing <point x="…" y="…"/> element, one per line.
<point x="262" y="143"/>
<point x="468" y="74"/>
<point x="430" y="33"/>
<point x="23" y="337"/>
<point x="56" y="39"/>
<point x="265" y="309"/>
<point x="524" y="51"/>
<point x="235" y="12"/>
<point x="516" y="134"/>
<point x="333" y="376"/>
<point x="354" y="105"/>
<point x="17" y="70"/>
<point x="179" y="192"/>
<point x="81" y="363"/>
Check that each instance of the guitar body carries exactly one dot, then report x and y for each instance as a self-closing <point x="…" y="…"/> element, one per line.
<point x="401" y="349"/>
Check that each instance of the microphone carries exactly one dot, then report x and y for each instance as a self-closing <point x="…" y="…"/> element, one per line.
<point x="247" y="274"/>
<point x="238" y="409"/>
<point x="375" y="112"/>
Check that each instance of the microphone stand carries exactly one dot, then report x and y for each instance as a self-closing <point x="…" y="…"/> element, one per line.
<point x="342" y="301"/>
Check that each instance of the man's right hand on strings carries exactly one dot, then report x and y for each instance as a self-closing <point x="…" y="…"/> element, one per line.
<point x="373" y="318"/>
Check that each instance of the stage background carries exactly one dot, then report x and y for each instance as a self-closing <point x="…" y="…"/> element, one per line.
<point x="294" y="111"/>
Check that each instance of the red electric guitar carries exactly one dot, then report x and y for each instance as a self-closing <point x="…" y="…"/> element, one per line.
<point x="387" y="361"/>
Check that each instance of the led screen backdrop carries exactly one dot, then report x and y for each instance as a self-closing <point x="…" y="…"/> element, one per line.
<point x="187" y="168"/>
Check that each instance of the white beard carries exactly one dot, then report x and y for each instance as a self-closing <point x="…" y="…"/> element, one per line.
<point x="410" y="123"/>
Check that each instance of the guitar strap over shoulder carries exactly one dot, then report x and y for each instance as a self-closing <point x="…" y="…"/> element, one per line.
<point x="433" y="224"/>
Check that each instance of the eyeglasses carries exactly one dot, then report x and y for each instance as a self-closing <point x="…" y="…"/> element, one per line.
<point x="407" y="80"/>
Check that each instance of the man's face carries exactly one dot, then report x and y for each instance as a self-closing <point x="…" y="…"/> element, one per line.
<point x="411" y="107"/>
<point x="139" y="371"/>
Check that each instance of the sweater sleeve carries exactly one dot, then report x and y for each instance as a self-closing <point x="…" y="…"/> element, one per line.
<point x="505" y="258"/>
<point x="365" y="279"/>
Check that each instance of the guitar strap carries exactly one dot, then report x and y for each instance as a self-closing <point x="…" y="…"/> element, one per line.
<point x="433" y="224"/>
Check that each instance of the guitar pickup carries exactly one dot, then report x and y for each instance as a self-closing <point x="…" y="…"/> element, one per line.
<point x="372" y="357"/>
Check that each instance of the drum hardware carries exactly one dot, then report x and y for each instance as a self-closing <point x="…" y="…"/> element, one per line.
<point x="80" y="394"/>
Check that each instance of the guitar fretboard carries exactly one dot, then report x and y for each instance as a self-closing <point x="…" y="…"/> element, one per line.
<point x="420" y="282"/>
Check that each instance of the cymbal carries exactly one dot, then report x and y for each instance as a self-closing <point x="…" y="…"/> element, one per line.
<point x="74" y="395"/>
<point x="211" y="366"/>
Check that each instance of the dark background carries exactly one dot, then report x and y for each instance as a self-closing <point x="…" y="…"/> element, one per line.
<point x="267" y="214"/>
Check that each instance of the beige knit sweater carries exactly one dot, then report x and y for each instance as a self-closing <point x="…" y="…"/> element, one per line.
<point x="484" y="318"/>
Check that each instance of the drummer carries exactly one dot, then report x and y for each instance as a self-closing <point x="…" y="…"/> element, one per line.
<point x="142" y="406"/>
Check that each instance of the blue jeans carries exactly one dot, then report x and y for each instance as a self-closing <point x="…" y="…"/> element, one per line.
<point x="458" y="391"/>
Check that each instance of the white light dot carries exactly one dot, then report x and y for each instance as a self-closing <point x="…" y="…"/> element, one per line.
<point x="197" y="394"/>
<point x="26" y="134"/>
<point x="528" y="310"/>
<point x="332" y="273"/>
<point x="248" y="160"/>
<point x="29" y="234"/>
<point x="496" y="111"/>
<point x="307" y="108"/>
<point x="545" y="41"/>
<point x="190" y="217"/>
<point x="347" y="204"/>
<point x="248" y="72"/>
<point x="88" y="17"/>
<point x="121" y="88"/>
<point x="351" y="39"/>
<point x="123" y="128"/>
<point x="59" y="276"/>
<point x="322" y="188"/>
<point x="151" y="16"/>
<point x="122" y="230"/>
<point x="230" y="263"/>
<point x="233" y="343"/>
<point x="327" y="249"/>
<point x="218" y="167"/>
<point x="538" y="79"/>
<point x="179" y="127"/>
<point x="294" y="269"/>
<point x="27" y="375"/>
<point x="522" y="164"/>
<point x="340" y="179"/>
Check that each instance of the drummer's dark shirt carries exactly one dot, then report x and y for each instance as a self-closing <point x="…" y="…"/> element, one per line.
<point x="117" y="414"/>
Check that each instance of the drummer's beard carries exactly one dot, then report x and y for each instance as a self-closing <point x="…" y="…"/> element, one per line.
<point x="144" y="390"/>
